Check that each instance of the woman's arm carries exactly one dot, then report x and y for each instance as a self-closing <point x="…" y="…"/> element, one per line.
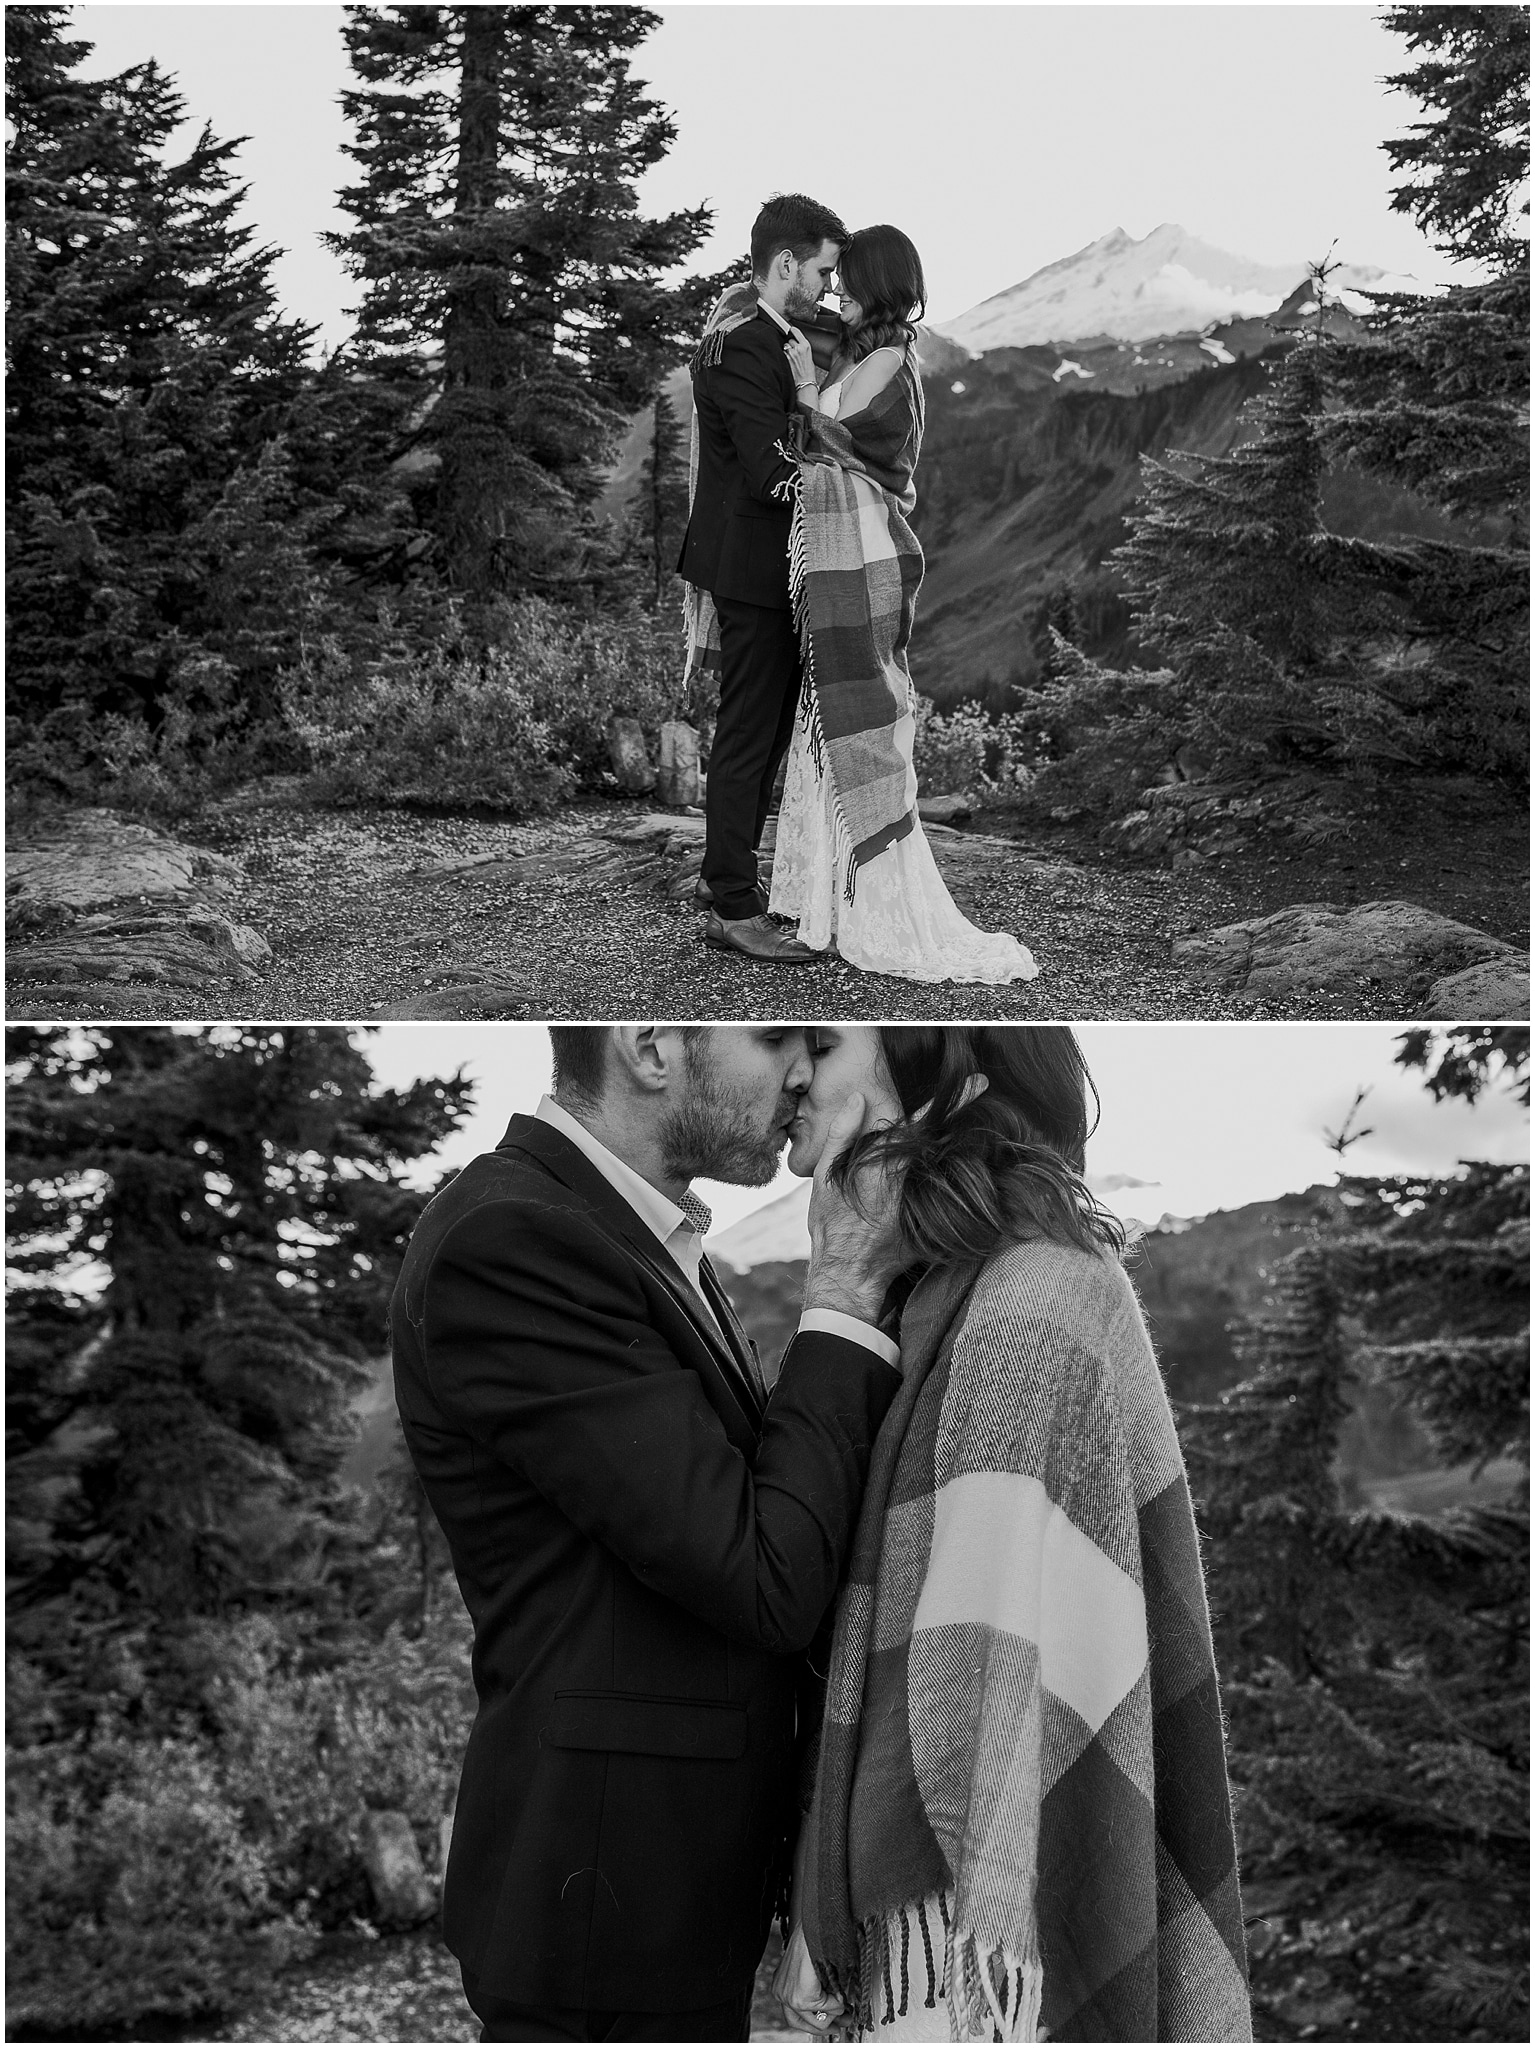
<point x="802" y="369"/>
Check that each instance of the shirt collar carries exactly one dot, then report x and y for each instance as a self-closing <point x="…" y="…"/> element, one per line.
<point x="773" y="314"/>
<point x="661" y="1217"/>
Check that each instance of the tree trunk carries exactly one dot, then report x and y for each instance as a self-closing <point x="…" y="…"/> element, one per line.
<point x="426" y="1563"/>
<point x="658" y="454"/>
<point x="472" y="494"/>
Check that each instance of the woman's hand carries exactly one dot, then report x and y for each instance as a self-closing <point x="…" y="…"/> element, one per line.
<point x="856" y="1247"/>
<point x="801" y="365"/>
<point x="797" y="1988"/>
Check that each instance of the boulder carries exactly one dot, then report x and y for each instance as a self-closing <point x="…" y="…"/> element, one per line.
<point x="678" y="781"/>
<point x="465" y="993"/>
<point x="629" y="755"/>
<point x="403" y="1894"/>
<point x="92" y="899"/>
<point x="190" y="950"/>
<point x="663" y="825"/>
<point x="684" y="884"/>
<point x="93" y="857"/>
<point x="1332" y="946"/>
<point x="944" y="810"/>
<point x="1492" y="992"/>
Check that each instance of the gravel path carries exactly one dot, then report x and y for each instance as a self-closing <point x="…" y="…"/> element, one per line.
<point x="394" y="914"/>
<point x="404" y="1987"/>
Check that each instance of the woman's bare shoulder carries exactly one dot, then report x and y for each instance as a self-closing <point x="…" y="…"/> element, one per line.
<point x="868" y="378"/>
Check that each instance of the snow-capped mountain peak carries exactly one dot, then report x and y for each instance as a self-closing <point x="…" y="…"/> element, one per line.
<point x="779" y="1231"/>
<point x="772" y="1235"/>
<point x="1169" y="282"/>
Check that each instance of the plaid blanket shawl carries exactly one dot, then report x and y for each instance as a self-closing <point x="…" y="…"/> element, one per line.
<point x="1021" y="1805"/>
<point x="855" y="568"/>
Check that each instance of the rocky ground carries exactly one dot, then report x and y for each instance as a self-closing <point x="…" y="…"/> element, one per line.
<point x="402" y="1987"/>
<point x="1314" y="1979"/>
<point x="377" y="914"/>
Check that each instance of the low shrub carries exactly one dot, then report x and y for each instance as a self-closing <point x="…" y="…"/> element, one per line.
<point x="969" y="748"/>
<point x="133" y="1888"/>
<point x="166" y="1857"/>
<point x="513" y="715"/>
<point x="204" y="739"/>
<point x="305" y="1752"/>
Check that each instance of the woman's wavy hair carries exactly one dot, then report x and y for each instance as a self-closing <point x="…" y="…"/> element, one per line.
<point x="1005" y="1165"/>
<point x="881" y="269"/>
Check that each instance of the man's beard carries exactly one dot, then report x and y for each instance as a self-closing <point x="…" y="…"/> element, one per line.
<point x="717" y="1133"/>
<point x="800" y="302"/>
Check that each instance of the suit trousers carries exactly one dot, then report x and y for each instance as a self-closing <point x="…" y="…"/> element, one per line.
<point x="501" y="2021"/>
<point x="759" y="694"/>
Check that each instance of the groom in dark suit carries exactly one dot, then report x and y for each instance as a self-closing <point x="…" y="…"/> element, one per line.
<point x="646" y="1540"/>
<point x="737" y="548"/>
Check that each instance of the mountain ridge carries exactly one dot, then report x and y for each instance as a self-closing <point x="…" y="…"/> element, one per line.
<point x="1169" y="282"/>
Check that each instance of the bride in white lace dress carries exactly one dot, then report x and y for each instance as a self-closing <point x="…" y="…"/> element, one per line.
<point x="901" y="919"/>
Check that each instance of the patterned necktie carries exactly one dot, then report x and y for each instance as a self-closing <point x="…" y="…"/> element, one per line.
<point x="699" y="1214"/>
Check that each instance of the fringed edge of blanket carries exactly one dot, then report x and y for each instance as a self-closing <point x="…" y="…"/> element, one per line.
<point x="709" y="351"/>
<point x="992" y="1997"/>
<point x="789" y="491"/>
<point x="693" y="630"/>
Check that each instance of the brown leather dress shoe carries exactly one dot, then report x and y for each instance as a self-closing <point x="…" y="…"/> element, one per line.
<point x="758" y="938"/>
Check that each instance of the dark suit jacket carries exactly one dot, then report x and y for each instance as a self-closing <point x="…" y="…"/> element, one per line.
<point x="737" y="542"/>
<point x="644" y="1553"/>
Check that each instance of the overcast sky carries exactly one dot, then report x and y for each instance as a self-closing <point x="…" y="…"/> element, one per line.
<point x="1001" y="138"/>
<point x="1213" y="1115"/>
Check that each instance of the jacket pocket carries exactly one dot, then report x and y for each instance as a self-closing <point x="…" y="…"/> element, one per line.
<point x="647" y="1724"/>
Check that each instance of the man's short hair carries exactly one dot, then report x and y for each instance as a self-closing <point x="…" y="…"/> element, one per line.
<point x="791" y="221"/>
<point x="580" y="1055"/>
<point x="581" y="1058"/>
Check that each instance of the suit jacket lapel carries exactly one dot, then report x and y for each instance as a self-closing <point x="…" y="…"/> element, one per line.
<point x="743" y="1347"/>
<point x="570" y="1165"/>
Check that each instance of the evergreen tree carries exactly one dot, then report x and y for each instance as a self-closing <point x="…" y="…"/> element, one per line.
<point x="205" y="1229"/>
<point x="1464" y="1059"/>
<point x="1221" y="544"/>
<point x="1055" y="620"/>
<point x="662" y="501"/>
<point x="155" y="530"/>
<point x="1374" y="1661"/>
<point x="1289" y="645"/>
<point x="513" y="291"/>
<point x="1470" y="162"/>
<point x="1232" y="576"/>
<point x="1435" y="395"/>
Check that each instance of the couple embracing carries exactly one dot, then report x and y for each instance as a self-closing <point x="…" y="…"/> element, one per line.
<point x="802" y="574"/>
<point x="906" y="1644"/>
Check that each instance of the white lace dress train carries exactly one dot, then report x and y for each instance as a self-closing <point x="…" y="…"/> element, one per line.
<point x="902" y="919"/>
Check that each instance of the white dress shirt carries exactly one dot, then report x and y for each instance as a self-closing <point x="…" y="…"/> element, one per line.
<point x="681" y="1238"/>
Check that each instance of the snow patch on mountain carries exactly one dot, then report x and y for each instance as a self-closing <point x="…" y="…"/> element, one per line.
<point x="1169" y="282"/>
<point x="779" y="1231"/>
<point x="772" y="1235"/>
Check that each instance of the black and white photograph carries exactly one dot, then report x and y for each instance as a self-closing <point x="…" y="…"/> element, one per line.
<point x="767" y="1022"/>
<point x="1014" y="512"/>
<point x="653" y="1532"/>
